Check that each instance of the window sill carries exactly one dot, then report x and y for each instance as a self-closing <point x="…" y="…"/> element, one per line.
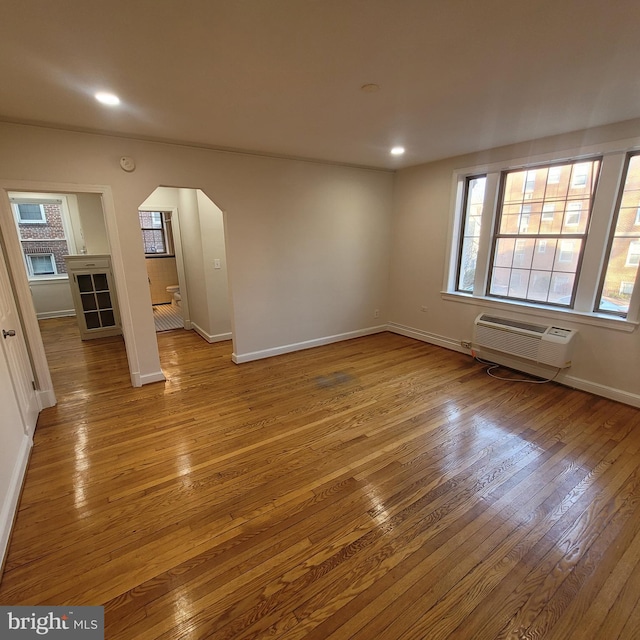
<point x="540" y="311"/>
<point x="48" y="280"/>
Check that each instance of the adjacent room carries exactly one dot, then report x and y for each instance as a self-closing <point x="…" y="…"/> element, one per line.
<point x="320" y="319"/>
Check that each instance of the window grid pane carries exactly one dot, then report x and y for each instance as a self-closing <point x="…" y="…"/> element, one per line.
<point x="624" y="254"/>
<point x="153" y="232"/>
<point x="542" y="226"/>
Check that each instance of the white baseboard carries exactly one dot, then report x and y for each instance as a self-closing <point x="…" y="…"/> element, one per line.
<point x="12" y="497"/>
<point x="56" y="314"/>
<point x="602" y="390"/>
<point x="46" y="398"/>
<point x="597" y="389"/>
<point x="137" y="379"/>
<point x="425" y="336"/>
<point x="220" y="337"/>
<point x="239" y="358"/>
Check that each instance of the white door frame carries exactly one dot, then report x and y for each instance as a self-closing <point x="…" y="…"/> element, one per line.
<point x="17" y="272"/>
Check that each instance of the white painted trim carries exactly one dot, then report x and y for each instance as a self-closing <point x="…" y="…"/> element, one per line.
<point x="137" y="379"/>
<point x="554" y="315"/>
<point x="56" y="314"/>
<point x="219" y="337"/>
<point x="308" y="344"/>
<point x="12" y="498"/>
<point x="562" y="378"/>
<point x="46" y="398"/>
<point x="602" y="390"/>
<point x="425" y="336"/>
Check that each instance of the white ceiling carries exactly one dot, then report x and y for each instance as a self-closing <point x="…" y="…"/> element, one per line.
<point x="283" y="76"/>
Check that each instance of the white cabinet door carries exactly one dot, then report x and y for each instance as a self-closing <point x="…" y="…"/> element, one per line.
<point x="14" y="348"/>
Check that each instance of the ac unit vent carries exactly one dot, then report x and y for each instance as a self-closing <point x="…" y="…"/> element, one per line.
<point x="542" y="344"/>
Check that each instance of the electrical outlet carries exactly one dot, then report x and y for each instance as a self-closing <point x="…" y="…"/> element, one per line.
<point x="376" y="313"/>
<point x="466" y="344"/>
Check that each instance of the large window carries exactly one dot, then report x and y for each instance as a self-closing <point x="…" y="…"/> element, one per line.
<point x="541" y="230"/>
<point x="562" y="235"/>
<point x="624" y="251"/>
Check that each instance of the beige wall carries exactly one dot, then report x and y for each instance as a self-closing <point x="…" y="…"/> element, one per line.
<point x="162" y="274"/>
<point x="307" y="243"/>
<point x="604" y="358"/>
<point x="92" y="223"/>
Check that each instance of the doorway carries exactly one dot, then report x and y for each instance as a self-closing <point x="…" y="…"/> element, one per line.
<point x="194" y="233"/>
<point x="41" y="227"/>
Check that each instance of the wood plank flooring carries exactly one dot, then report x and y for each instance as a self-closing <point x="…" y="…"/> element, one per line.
<point x="379" y="488"/>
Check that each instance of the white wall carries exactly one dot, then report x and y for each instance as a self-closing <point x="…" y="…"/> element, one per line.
<point x="52" y="298"/>
<point x="307" y="243"/>
<point x="604" y="358"/>
<point x="216" y="280"/>
<point x="94" y="231"/>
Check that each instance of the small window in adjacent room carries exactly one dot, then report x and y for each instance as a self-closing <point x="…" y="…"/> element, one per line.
<point x="30" y="213"/>
<point x="43" y="264"/>
<point x="156" y="233"/>
<point x="45" y="232"/>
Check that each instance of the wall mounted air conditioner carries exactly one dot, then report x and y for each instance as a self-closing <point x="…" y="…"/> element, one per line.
<point x="544" y="344"/>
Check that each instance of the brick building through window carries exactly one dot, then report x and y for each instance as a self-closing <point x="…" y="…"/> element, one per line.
<point x="43" y="236"/>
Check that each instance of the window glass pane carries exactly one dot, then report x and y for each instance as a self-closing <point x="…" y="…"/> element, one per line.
<point x="42" y="265"/>
<point x="543" y="222"/>
<point x="624" y="256"/>
<point x="473" y="202"/>
<point x="30" y="212"/>
<point x="85" y="283"/>
<point x="153" y="231"/>
<point x="100" y="282"/>
<point x="153" y="241"/>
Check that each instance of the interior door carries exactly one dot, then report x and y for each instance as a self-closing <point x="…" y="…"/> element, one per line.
<point x="15" y="353"/>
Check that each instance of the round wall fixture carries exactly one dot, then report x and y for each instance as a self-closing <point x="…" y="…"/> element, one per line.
<point x="127" y="163"/>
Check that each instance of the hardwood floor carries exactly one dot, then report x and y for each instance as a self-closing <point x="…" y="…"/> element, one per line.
<point x="379" y="488"/>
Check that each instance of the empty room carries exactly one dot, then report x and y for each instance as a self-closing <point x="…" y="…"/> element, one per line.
<point x="320" y="319"/>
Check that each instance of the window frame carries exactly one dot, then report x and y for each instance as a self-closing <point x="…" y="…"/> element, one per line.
<point x="463" y="223"/>
<point x="559" y="237"/>
<point x="17" y="198"/>
<point x="167" y="236"/>
<point x="39" y="276"/>
<point x="583" y="311"/>
<point x="632" y="312"/>
<point x="21" y="220"/>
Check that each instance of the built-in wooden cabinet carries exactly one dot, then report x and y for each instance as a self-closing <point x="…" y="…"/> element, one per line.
<point x="94" y="297"/>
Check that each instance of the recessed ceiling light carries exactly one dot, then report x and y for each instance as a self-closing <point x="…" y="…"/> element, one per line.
<point x="107" y="98"/>
<point x="370" y="87"/>
<point x="397" y="151"/>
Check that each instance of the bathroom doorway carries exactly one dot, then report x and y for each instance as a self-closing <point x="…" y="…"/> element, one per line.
<point x="160" y="227"/>
<point x="185" y="254"/>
